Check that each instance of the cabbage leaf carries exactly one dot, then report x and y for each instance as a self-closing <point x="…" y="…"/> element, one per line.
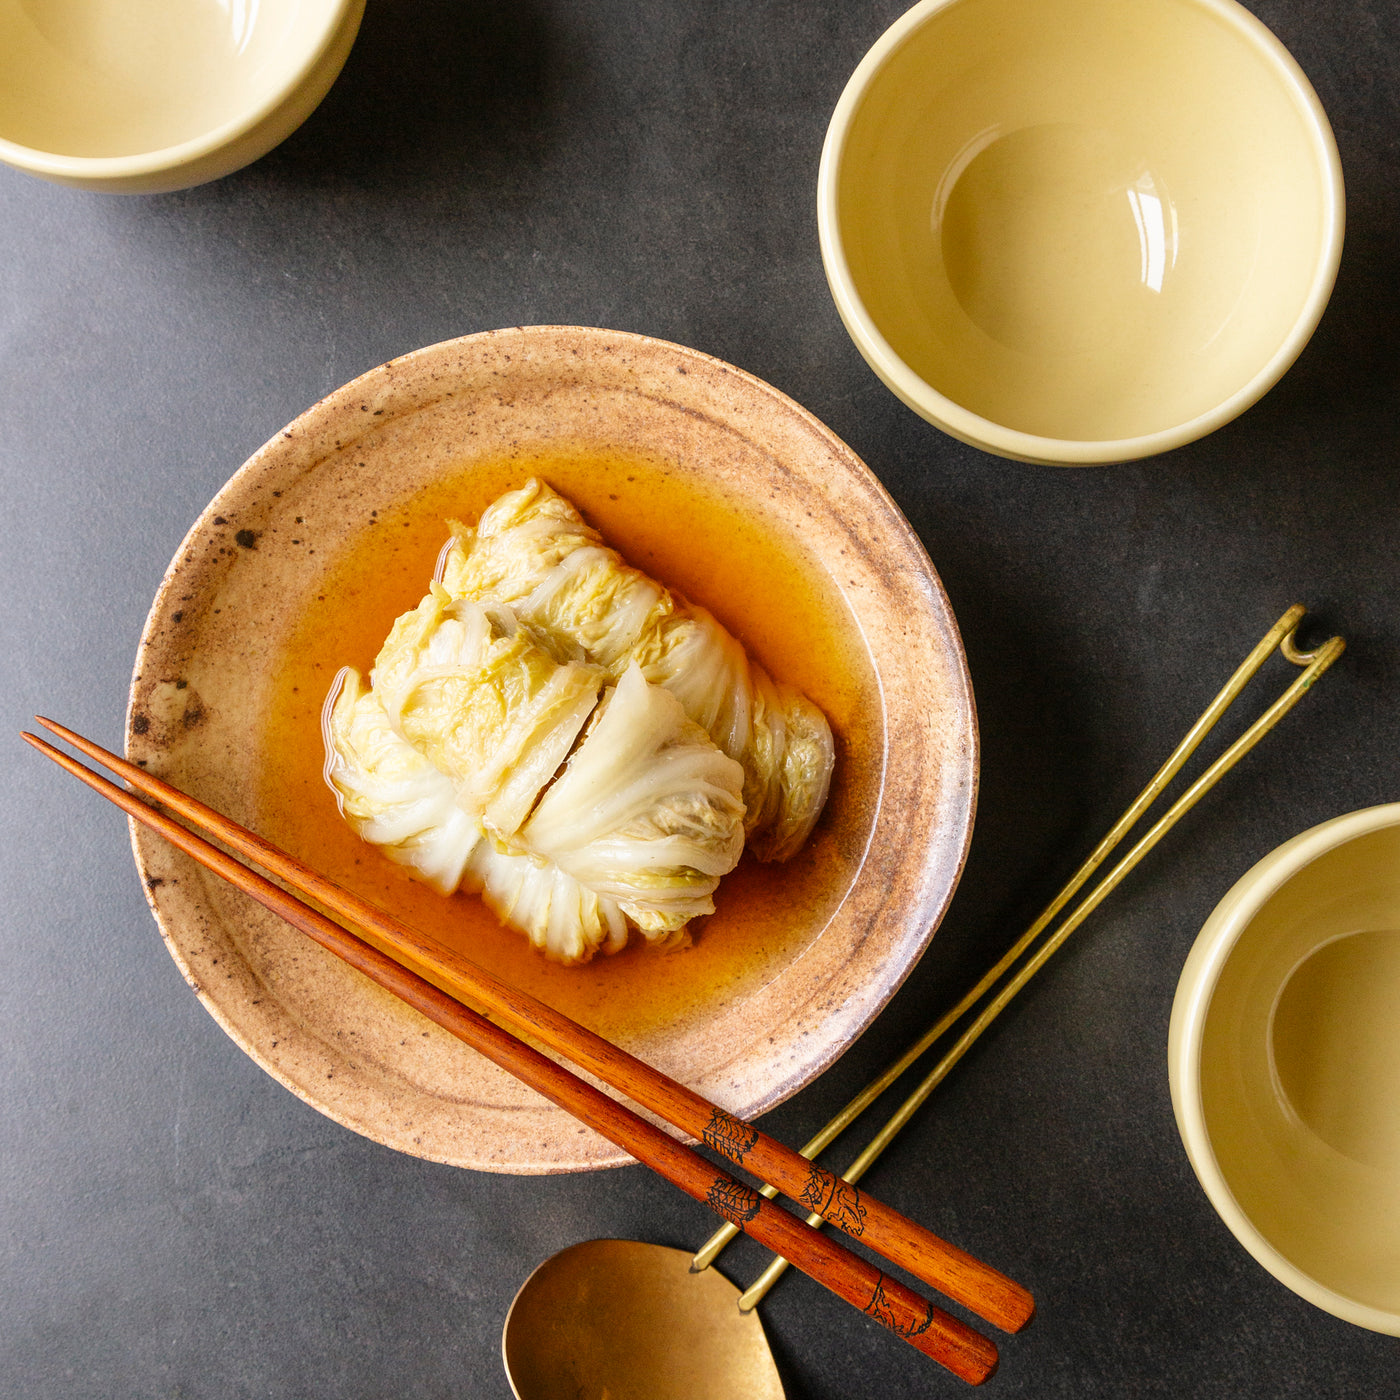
<point x="647" y="810"/>
<point x="394" y="798"/>
<point x="532" y="551"/>
<point x="389" y="793"/>
<point x="476" y="695"/>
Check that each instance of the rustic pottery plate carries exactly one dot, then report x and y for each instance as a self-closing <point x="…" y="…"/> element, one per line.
<point x="720" y="486"/>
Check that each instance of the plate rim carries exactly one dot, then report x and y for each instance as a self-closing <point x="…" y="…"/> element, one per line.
<point x="922" y="922"/>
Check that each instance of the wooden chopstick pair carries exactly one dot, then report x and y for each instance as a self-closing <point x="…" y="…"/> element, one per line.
<point x="430" y="978"/>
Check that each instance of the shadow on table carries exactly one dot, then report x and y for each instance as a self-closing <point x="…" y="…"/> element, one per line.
<point x="1352" y="363"/>
<point x="1032" y="820"/>
<point x="434" y="86"/>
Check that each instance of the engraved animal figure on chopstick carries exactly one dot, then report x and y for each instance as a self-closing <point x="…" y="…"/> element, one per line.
<point x="729" y="1136"/>
<point x="835" y="1199"/>
<point x="735" y="1202"/>
<point x="879" y="1308"/>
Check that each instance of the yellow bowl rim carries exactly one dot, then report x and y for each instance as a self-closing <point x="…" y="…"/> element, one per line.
<point x="978" y="431"/>
<point x="1190" y="1007"/>
<point x="51" y="165"/>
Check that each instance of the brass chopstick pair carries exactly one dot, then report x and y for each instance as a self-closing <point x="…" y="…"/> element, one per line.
<point x="431" y="979"/>
<point x="1280" y="637"/>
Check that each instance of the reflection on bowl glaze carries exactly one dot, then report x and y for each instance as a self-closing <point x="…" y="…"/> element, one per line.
<point x="1054" y="240"/>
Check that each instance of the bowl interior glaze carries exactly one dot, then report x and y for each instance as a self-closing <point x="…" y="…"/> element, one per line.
<point x="141" y="96"/>
<point x="1285" y="1044"/>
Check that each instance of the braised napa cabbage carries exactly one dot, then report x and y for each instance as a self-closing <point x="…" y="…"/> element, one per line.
<point x="554" y="730"/>
<point x="475" y="694"/>
<point x="390" y="793"/>
<point x="467" y="720"/>
<point x="532" y="552"/>
<point x="647" y="810"/>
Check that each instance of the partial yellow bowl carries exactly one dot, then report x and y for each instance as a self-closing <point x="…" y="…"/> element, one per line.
<point x="1079" y="232"/>
<point x="1284" y="1060"/>
<point x="138" y="97"/>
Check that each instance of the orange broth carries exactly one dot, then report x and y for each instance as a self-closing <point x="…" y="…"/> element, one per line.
<point x="778" y="601"/>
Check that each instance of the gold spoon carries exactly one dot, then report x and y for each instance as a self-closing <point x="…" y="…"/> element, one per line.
<point x="619" y="1320"/>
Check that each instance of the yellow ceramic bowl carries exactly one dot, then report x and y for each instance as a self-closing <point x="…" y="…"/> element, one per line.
<point x="138" y="96"/>
<point x="1285" y="1064"/>
<point x="1079" y="232"/>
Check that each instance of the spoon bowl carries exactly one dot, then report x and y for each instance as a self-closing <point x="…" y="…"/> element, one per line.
<point x="630" y="1321"/>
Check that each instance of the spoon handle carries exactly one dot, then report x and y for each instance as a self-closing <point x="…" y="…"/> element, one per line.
<point x="924" y="1326"/>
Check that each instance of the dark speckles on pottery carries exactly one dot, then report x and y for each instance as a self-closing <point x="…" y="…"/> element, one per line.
<point x="287" y="1003"/>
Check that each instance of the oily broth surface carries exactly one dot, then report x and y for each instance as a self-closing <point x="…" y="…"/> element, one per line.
<point x="779" y="604"/>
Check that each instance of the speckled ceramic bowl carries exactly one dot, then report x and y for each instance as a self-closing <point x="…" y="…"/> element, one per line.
<point x="728" y="491"/>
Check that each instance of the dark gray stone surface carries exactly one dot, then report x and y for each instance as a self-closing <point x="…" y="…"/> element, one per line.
<point x="177" y="1224"/>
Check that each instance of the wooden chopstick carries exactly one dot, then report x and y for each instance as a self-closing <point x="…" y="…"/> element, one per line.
<point x="979" y="1287"/>
<point x="928" y="1328"/>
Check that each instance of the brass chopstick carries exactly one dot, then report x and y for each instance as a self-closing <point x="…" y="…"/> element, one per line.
<point x="1280" y="637"/>
<point x="928" y="1328"/>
